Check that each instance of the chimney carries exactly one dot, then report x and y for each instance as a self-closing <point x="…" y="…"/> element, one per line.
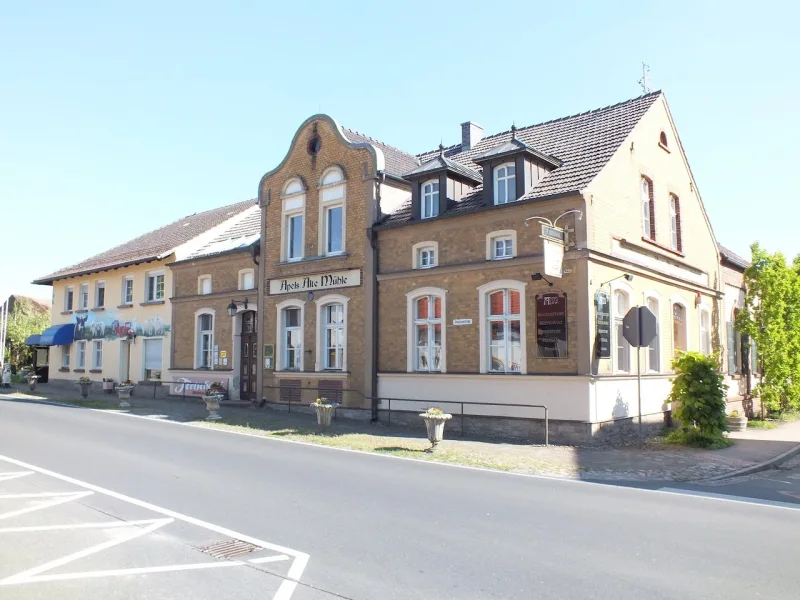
<point x="471" y="134"/>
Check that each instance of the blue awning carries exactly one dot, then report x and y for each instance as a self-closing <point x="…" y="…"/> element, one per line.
<point x="58" y="335"/>
<point x="33" y="340"/>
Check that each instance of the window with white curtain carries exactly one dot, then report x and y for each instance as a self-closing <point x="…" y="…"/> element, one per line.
<point x="648" y="225"/>
<point x="333" y="336"/>
<point x="84" y="296"/>
<point x="153" y="359"/>
<point x="622" y="304"/>
<point x="504" y="313"/>
<point x="294" y="202"/>
<point x="204" y="285"/>
<point x="679" y="337"/>
<point x="81" y="358"/>
<point x="205" y="341"/>
<point x="65" y="353"/>
<point x="505" y="184"/>
<point x="705" y="331"/>
<point x="430" y="199"/>
<point x="292" y="339"/>
<point x="332" y="193"/>
<point x="428" y="333"/>
<point x="654" y="350"/>
<point x="97" y="355"/>
<point x="246" y="279"/>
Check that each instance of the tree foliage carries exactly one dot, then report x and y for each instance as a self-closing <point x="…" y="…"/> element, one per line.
<point x="699" y="392"/>
<point x="771" y="317"/>
<point x="25" y="319"/>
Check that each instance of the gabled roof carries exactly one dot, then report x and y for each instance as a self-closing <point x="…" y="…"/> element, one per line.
<point x="397" y="161"/>
<point x="733" y="258"/>
<point x="151" y="246"/>
<point x="584" y="143"/>
<point x="240" y="235"/>
<point x="514" y="146"/>
<point x="440" y="163"/>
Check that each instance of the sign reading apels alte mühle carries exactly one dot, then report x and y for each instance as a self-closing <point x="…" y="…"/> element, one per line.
<point x="311" y="283"/>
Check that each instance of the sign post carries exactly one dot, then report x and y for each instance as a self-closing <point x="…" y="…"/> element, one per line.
<point x="639" y="328"/>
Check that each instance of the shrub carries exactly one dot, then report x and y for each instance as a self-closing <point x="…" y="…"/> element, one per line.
<point x="698" y="439"/>
<point x="699" y="393"/>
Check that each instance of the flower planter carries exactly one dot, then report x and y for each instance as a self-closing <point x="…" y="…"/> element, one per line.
<point x="737" y="423"/>
<point x="84" y="388"/>
<point x="434" y="423"/>
<point x="212" y="404"/>
<point x="124" y="394"/>
<point x="324" y="414"/>
<point x="108" y="387"/>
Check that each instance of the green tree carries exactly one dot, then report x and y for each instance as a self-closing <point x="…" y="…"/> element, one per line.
<point x="25" y="319"/>
<point x="771" y="317"/>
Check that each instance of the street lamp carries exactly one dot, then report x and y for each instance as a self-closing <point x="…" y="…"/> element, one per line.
<point x="233" y="307"/>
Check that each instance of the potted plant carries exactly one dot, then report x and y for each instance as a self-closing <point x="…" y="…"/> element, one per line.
<point x="124" y="391"/>
<point x="84" y="383"/>
<point x="108" y="385"/>
<point x="32" y="379"/>
<point x="435" y="419"/>
<point x="324" y="411"/>
<point x="213" y="395"/>
<point x="736" y="421"/>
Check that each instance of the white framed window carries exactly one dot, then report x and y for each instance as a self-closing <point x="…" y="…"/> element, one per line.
<point x="294" y="206"/>
<point x="622" y="304"/>
<point x="502" y="327"/>
<point x="65" y="354"/>
<point x="503" y="248"/>
<point x="332" y="333"/>
<point x="705" y="330"/>
<point x="505" y="184"/>
<point x="83" y="298"/>
<point x="332" y="212"/>
<point x="81" y="355"/>
<point x="426" y="335"/>
<point x="247" y="279"/>
<point x="654" y="349"/>
<point x="675" y="222"/>
<point x="501" y="244"/>
<point x="97" y="354"/>
<point x="127" y="290"/>
<point x="204" y="338"/>
<point x="100" y="294"/>
<point x="204" y="285"/>
<point x="154" y="287"/>
<point x="430" y="199"/>
<point x="153" y="361"/>
<point x="648" y="226"/>
<point x="290" y="335"/>
<point x="680" y="338"/>
<point x="68" y="298"/>
<point x="425" y="255"/>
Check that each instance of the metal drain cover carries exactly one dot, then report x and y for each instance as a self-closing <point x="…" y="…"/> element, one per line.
<point x="229" y="548"/>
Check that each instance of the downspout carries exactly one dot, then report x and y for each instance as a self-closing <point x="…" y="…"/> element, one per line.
<point x="261" y="287"/>
<point x="373" y="239"/>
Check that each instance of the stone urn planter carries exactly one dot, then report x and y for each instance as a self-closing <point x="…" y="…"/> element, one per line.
<point x="124" y="394"/>
<point x="32" y="379"/>
<point x="212" y="404"/>
<point x="84" y="383"/>
<point x="434" y="422"/>
<point x="736" y="421"/>
<point x="324" y="411"/>
<point x="108" y="386"/>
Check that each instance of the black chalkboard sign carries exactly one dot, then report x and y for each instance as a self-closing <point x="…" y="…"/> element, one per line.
<point x="603" y="312"/>
<point x="551" y="325"/>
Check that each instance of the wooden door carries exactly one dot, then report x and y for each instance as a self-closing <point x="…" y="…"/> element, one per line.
<point x="249" y="357"/>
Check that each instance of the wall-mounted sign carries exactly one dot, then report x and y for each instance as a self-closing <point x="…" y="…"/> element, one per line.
<point x="553" y="258"/>
<point x="553" y="233"/>
<point x="186" y="386"/>
<point x="223" y="354"/>
<point x="462" y="321"/>
<point x="603" y="321"/>
<point x="551" y="325"/>
<point x="311" y="283"/>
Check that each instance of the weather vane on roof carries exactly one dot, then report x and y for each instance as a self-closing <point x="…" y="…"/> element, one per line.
<point x="645" y="80"/>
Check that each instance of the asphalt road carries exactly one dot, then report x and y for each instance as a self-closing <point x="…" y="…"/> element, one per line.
<point x="371" y="526"/>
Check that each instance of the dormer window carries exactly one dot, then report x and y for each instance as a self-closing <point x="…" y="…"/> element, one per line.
<point x="505" y="184"/>
<point x="430" y="199"/>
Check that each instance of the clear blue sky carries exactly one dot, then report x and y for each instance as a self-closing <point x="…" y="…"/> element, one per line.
<point x="117" y="119"/>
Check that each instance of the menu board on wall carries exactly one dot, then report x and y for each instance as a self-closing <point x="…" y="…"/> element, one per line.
<point x="551" y="325"/>
<point x="603" y="319"/>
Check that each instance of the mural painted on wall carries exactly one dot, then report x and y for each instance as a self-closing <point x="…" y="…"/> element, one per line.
<point x="110" y="325"/>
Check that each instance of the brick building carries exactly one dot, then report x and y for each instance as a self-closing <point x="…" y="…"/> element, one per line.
<point x="214" y="312"/>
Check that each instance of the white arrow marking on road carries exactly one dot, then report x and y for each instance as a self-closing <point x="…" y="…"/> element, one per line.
<point x="60" y="498"/>
<point x="9" y="475"/>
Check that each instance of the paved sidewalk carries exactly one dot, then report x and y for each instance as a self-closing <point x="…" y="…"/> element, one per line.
<point x="656" y="461"/>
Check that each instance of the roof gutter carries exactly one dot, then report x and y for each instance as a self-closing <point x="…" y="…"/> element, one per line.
<point x="51" y="280"/>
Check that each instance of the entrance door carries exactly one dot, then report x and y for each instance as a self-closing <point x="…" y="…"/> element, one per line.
<point x="249" y="357"/>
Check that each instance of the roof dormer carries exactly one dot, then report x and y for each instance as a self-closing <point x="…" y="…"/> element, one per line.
<point x="511" y="169"/>
<point x="437" y="183"/>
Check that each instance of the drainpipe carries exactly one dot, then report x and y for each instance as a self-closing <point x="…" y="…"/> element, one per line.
<point x="373" y="239"/>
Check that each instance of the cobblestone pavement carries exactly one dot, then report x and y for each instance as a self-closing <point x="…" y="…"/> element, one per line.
<point x="654" y="462"/>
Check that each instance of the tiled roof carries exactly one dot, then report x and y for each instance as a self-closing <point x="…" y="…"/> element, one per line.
<point x="733" y="258"/>
<point x="584" y="143"/>
<point x="397" y="161"/>
<point x="440" y="162"/>
<point x="239" y="235"/>
<point x="152" y="245"/>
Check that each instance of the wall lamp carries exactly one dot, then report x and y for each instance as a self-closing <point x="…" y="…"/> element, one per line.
<point x="540" y="277"/>
<point x="233" y="307"/>
<point x="627" y="276"/>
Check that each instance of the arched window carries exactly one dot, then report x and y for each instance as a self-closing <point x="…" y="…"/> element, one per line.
<point x="654" y="350"/>
<point x="425" y="255"/>
<point x="290" y="335"/>
<point x="430" y="199"/>
<point x="294" y="204"/>
<point x="504" y="324"/>
<point x="648" y="216"/>
<point x="426" y="331"/>
<point x="662" y="139"/>
<point x="332" y="212"/>
<point x="505" y="184"/>
<point x="675" y="222"/>
<point x="332" y="333"/>
<point x="204" y="339"/>
<point x="679" y="337"/>
<point x="622" y="303"/>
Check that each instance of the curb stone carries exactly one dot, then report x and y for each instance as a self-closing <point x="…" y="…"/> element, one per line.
<point x="762" y="466"/>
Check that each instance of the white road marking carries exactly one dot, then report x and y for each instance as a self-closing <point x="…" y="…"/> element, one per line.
<point x="60" y="498"/>
<point x="267" y="559"/>
<point x="71" y="526"/>
<point x="135" y="571"/>
<point x="9" y="475"/>
<point x="287" y="586"/>
<point x="727" y="498"/>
